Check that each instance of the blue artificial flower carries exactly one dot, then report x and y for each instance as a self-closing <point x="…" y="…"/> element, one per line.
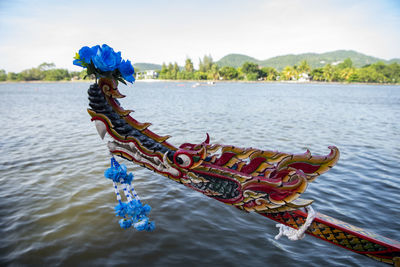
<point x="86" y="53"/>
<point x="121" y="209"/>
<point x="106" y="59"/>
<point x="103" y="61"/>
<point x="110" y="173"/>
<point x="150" y="227"/>
<point x="113" y="174"/>
<point x="146" y="209"/>
<point x="118" y="173"/>
<point x="77" y="62"/>
<point x="128" y="178"/>
<point x="125" y="223"/>
<point x="122" y="171"/>
<point x="142" y="224"/>
<point x="127" y="71"/>
<point x="121" y="174"/>
<point x="134" y="208"/>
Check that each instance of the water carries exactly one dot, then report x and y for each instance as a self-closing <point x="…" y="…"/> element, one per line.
<point x="56" y="208"/>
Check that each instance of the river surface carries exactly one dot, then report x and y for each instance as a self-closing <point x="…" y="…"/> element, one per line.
<point x="56" y="207"/>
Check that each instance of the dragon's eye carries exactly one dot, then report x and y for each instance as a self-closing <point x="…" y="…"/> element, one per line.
<point x="183" y="160"/>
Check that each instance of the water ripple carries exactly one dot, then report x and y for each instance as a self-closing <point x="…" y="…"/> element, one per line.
<point x="56" y="208"/>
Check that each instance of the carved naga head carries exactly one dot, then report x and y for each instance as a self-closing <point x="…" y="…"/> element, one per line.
<point x="250" y="179"/>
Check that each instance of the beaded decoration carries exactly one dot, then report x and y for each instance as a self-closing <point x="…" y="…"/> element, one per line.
<point x="133" y="212"/>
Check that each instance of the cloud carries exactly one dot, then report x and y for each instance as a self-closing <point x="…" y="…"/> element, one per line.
<point x="318" y="26"/>
<point x="160" y="31"/>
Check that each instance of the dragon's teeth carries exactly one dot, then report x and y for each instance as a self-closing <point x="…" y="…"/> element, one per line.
<point x="111" y="146"/>
<point x="132" y="146"/>
<point x="101" y="128"/>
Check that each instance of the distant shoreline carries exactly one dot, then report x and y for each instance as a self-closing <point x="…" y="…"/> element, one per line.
<point x="205" y="82"/>
<point x="41" y="81"/>
<point x="284" y="82"/>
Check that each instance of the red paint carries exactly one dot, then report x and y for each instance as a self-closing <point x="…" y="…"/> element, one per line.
<point x="225" y="158"/>
<point x="253" y="165"/>
<point x="305" y="167"/>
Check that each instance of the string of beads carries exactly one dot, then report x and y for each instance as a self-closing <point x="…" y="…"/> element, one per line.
<point x="133" y="212"/>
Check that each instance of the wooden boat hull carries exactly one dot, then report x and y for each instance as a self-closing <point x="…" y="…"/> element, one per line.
<point x="343" y="234"/>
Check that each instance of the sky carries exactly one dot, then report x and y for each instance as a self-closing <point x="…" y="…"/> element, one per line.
<point x="155" y="31"/>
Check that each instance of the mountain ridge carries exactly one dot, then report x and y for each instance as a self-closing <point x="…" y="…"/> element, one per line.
<point x="315" y="60"/>
<point x="141" y="66"/>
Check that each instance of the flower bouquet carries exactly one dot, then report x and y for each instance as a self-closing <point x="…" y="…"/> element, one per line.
<point x="103" y="61"/>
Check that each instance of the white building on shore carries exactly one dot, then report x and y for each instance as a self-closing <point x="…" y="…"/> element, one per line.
<point x="147" y="74"/>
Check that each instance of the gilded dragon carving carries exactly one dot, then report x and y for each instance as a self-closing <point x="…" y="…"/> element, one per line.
<point x="266" y="182"/>
<point x="250" y="179"/>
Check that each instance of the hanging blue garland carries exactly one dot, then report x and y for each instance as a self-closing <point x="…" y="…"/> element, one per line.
<point x="133" y="212"/>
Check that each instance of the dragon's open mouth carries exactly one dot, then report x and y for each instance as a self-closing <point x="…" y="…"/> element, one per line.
<point x="222" y="188"/>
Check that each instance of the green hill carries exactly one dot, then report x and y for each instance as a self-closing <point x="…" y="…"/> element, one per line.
<point x="146" y="66"/>
<point x="313" y="59"/>
<point x="394" y="60"/>
<point x="236" y="60"/>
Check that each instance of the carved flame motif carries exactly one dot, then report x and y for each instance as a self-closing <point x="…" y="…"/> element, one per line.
<point x="248" y="178"/>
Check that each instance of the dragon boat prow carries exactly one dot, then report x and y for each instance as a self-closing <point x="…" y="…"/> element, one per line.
<point x="253" y="180"/>
<point x="263" y="181"/>
<point x="247" y="178"/>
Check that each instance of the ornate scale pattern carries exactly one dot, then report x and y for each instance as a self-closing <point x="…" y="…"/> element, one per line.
<point x="344" y="235"/>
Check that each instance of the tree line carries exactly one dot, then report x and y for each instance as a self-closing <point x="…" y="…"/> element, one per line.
<point x="209" y="70"/>
<point x="343" y="72"/>
<point x="44" y="72"/>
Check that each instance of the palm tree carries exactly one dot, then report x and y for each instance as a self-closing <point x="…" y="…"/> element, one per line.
<point x="289" y="73"/>
<point x="304" y="67"/>
<point x="328" y="72"/>
<point x="189" y="65"/>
